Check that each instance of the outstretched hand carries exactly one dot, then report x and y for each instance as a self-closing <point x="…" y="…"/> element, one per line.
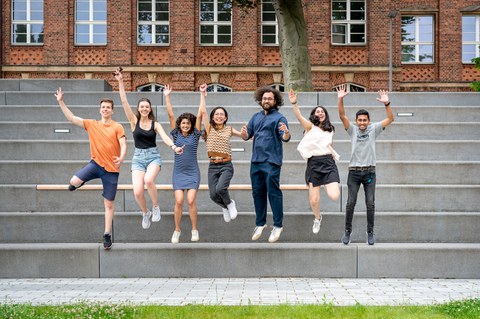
<point x="179" y="149"/>
<point x="292" y="96"/>
<point x="203" y="89"/>
<point x="383" y="96"/>
<point x="342" y="91"/>
<point x="167" y="89"/>
<point x="244" y="132"/>
<point x="118" y="74"/>
<point x="59" y="95"/>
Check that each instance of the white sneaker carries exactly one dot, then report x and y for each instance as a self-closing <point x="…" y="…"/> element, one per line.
<point x="156" y="214"/>
<point x="226" y="215"/>
<point x="257" y="232"/>
<point x="195" y="236"/>
<point x="316" y="225"/>
<point x="232" y="210"/>
<point x="146" y="219"/>
<point x="275" y="234"/>
<point x="176" y="237"/>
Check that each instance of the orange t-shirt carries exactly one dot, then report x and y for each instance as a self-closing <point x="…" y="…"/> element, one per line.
<point x="104" y="144"/>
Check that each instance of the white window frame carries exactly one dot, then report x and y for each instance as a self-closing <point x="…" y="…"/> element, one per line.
<point x="348" y="23"/>
<point x="90" y="23"/>
<point x="28" y="22"/>
<point x="153" y="23"/>
<point x="152" y="87"/>
<point x="269" y="24"/>
<point x="417" y="43"/>
<point x="349" y="86"/>
<point x="476" y="42"/>
<point x="216" y="24"/>
<point x="278" y="86"/>
<point x="213" y="87"/>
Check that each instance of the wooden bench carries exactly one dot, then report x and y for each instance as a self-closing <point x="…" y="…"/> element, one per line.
<point x="163" y="187"/>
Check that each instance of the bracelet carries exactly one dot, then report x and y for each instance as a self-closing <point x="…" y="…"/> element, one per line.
<point x="173" y="147"/>
<point x="388" y="104"/>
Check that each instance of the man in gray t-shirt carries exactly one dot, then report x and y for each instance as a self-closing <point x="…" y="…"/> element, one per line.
<point x="361" y="169"/>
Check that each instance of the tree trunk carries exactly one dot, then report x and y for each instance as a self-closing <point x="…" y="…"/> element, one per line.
<point x="293" y="40"/>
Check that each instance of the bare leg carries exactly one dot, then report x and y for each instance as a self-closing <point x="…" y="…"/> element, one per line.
<point x="192" y="207"/>
<point x="177" y="211"/>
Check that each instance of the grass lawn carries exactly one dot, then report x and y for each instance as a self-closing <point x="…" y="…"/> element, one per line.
<point x="468" y="309"/>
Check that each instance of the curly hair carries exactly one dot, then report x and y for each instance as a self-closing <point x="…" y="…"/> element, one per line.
<point x="151" y="116"/>
<point x="326" y="125"/>
<point x="190" y="117"/>
<point x="266" y="89"/>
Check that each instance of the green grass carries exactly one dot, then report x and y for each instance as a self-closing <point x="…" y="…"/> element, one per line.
<point x="467" y="309"/>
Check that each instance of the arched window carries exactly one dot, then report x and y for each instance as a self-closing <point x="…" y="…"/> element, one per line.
<point x="351" y="88"/>
<point x="278" y="86"/>
<point x="218" y="88"/>
<point x="151" y="87"/>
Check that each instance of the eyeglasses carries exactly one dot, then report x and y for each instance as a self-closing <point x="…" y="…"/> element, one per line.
<point x="268" y="99"/>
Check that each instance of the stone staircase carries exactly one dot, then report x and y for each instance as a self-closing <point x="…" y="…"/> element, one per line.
<point x="427" y="199"/>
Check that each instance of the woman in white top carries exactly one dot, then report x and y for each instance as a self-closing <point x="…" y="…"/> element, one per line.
<point x="316" y="148"/>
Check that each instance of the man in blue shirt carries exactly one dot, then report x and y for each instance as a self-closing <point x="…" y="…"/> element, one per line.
<point x="269" y="129"/>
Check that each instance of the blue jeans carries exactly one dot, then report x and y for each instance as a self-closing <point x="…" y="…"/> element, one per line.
<point x="368" y="180"/>
<point x="219" y="177"/>
<point x="265" y="179"/>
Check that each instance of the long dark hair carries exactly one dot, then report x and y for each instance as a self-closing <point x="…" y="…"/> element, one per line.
<point x="151" y="116"/>
<point x="212" y="114"/>
<point x="190" y="117"/>
<point x="325" y="125"/>
<point x="266" y="89"/>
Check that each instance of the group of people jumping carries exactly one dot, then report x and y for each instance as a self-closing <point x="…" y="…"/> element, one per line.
<point x="269" y="130"/>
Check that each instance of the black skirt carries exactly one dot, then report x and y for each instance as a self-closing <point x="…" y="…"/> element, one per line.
<point x="321" y="170"/>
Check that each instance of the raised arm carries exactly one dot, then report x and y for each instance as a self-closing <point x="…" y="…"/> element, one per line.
<point x="166" y="139"/>
<point x="132" y="119"/>
<point x="203" y="107"/>
<point x="341" y="93"/>
<point x="66" y="111"/>
<point x="385" y="100"/>
<point x="166" y="91"/>
<point x="307" y="125"/>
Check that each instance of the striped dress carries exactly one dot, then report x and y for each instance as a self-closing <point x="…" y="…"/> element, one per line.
<point x="186" y="173"/>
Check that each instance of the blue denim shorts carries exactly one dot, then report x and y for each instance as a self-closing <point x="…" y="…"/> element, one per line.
<point x="109" y="180"/>
<point x="142" y="158"/>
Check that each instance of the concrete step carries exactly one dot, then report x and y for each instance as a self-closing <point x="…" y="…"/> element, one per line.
<point x="389" y="198"/>
<point x="238" y="113"/>
<point x="50" y="85"/>
<point x="240" y="260"/>
<point x="406" y="131"/>
<point x="390" y="227"/>
<point x="398" y="150"/>
<point x="388" y="172"/>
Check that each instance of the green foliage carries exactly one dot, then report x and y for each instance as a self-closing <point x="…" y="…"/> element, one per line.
<point x="476" y="85"/>
<point x="465" y="309"/>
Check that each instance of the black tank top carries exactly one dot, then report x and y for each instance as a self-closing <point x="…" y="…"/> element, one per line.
<point x="144" y="139"/>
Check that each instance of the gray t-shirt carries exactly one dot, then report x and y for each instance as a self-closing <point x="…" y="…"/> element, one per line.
<point x="363" y="144"/>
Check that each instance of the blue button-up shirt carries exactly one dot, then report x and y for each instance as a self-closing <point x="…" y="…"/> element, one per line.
<point x="267" y="137"/>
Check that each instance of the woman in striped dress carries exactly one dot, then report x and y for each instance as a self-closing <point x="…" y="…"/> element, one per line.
<point x="220" y="169"/>
<point x="186" y="173"/>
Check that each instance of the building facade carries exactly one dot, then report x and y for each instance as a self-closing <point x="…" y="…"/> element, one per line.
<point x="188" y="42"/>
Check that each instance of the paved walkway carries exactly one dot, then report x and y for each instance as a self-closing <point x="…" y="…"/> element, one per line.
<point x="238" y="291"/>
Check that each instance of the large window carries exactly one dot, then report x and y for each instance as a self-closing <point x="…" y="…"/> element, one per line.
<point x="348" y="22"/>
<point x="269" y="24"/>
<point x="417" y="39"/>
<point x="218" y="88"/>
<point x="351" y="87"/>
<point x="91" y="22"/>
<point x="470" y="38"/>
<point x="27" y="21"/>
<point x="215" y="22"/>
<point x="153" y="87"/>
<point x="153" y="22"/>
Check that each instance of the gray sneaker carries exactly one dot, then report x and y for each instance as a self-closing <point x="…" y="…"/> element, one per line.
<point x="346" y="237"/>
<point x="316" y="225"/>
<point x="146" y="219"/>
<point x="156" y="214"/>
<point x="370" y="238"/>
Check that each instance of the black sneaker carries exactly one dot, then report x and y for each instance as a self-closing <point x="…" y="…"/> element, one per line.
<point x="107" y="241"/>
<point x="346" y="237"/>
<point x="370" y="238"/>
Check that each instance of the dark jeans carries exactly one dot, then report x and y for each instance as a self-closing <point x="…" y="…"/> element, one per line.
<point x="368" y="180"/>
<point x="265" y="179"/>
<point x="219" y="177"/>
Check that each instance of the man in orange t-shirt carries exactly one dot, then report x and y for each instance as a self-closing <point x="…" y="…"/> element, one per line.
<point x="108" y="148"/>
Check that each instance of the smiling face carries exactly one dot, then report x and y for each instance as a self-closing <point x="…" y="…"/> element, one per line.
<point x="144" y="109"/>
<point x="218" y="116"/>
<point x="362" y="121"/>
<point x="185" y="126"/>
<point x="106" y="110"/>
<point x="320" y="114"/>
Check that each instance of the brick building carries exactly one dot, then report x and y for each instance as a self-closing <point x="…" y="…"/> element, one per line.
<point x="189" y="42"/>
